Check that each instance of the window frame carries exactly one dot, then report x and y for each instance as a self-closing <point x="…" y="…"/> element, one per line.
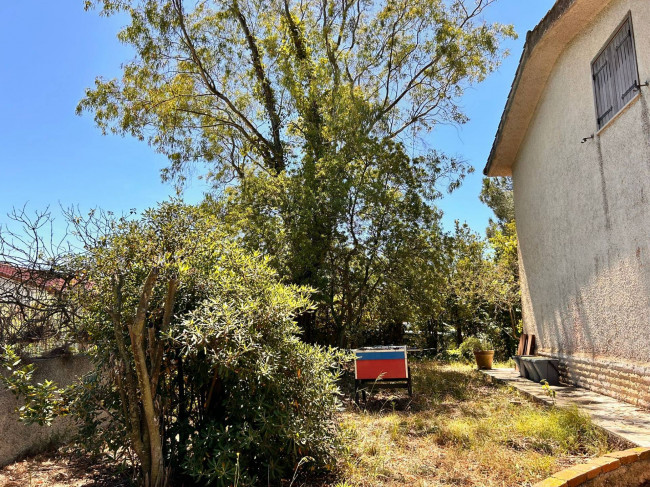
<point x="612" y="83"/>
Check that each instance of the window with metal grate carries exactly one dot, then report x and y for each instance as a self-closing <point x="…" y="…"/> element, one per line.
<point x="615" y="74"/>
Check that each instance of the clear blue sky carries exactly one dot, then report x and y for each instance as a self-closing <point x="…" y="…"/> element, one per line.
<point x="50" y="156"/>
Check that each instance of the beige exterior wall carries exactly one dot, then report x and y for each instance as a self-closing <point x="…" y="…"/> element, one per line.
<point x="583" y="220"/>
<point x="18" y="439"/>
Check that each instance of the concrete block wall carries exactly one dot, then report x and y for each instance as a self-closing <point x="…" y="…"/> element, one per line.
<point x="628" y="382"/>
<point x="18" y="439"/>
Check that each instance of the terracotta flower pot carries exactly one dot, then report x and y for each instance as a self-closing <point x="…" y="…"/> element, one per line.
<point x="484" y="359"/>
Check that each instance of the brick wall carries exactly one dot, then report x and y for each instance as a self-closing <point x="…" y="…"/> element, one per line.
<point x="627" y="382"/>
<point x="629" y="468"/>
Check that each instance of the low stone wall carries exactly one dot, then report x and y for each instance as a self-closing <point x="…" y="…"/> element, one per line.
<point x="18" y="439"/>
<point x="629" y="468"/>
<point x="623" y="381"/>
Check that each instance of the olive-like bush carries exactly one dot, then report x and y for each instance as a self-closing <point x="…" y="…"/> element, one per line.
<point x="473" y="344"/>
<point x="199" y="369"/>
<point x="271" y="397"/>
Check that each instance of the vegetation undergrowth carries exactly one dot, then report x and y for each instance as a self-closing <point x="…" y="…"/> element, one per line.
<point x="459" y="429"/>
<point x="199" y="373"/>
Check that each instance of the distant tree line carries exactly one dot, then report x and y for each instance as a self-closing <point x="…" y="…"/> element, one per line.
<point x="480" y="296"/>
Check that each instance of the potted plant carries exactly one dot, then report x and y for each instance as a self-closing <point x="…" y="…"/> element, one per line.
<point x="482" y="349"/>
<point x="484" y="356"/>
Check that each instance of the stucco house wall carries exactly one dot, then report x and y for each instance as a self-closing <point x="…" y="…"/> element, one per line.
<point x="583" y="219"/>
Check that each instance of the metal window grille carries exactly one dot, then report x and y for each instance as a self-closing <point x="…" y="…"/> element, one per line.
<point x="615" y="74"/>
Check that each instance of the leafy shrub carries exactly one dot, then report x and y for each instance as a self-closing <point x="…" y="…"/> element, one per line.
<point x="199" y="370"/>
<point x="276" y="395"/>
<point x="471" y="345"/>
<point x="451" y="355"/>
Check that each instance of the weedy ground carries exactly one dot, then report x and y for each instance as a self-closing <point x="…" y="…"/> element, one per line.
<point x="458" y="429"/>
<point x="461" y="430"/>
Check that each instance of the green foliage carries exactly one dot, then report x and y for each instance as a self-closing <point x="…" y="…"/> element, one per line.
<point x="548" y="390"/>
<point x="276" y="394"/>
<point x="41" y="402"/>
<point x="308" y="121"/>
<point x="460" y="298"/>
<point x="477" y="292"/>
<point x="199" y="367"/>
<point x="302" y="85"/>
<point x="497" y="194"/>
<point x="480" y="294"/>
<point x="471" y="345"/>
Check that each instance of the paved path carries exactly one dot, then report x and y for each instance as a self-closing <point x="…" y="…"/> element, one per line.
<point x="618" y="418"/>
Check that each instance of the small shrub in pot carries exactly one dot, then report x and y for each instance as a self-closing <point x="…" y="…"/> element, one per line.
<point x="482" y="350"/>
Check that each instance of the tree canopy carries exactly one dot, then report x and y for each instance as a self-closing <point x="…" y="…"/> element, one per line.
<point x="273" y="85"/>
<point x="308" y="118"/>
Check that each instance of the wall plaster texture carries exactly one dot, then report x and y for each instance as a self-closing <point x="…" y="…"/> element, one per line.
<point x="583" y="219"/>
<point x="19" y="439"/>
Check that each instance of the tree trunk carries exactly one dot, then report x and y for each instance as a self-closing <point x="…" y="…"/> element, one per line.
<point x="182" y="409"/>
<point x="433" y="341"/>
<point x="156" y="474"/>
<point x="459" y="334"/>
<point x="513" y="323"/>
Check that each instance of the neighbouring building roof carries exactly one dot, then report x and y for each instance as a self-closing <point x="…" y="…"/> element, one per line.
<point x="31" y="277"/>
<point x="544" y="44"/>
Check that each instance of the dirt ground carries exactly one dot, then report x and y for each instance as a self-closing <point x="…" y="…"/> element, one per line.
<point x="61" y="469"/>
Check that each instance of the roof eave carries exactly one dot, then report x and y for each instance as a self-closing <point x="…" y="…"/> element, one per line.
<point x="543" y="47"/>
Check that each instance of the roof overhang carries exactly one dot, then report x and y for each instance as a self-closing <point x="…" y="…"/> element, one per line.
<point x="544" y="44"/>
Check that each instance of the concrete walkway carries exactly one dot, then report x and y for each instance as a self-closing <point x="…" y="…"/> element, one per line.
<point x="618" y="418"/>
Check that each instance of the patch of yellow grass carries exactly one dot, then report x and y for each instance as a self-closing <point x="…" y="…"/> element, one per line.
<point x="461" y="430"/>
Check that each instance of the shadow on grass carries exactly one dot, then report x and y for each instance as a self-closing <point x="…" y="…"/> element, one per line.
<point x="434" y="384"/>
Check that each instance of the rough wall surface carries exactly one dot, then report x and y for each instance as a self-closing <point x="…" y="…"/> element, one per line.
<point x="583" y="219"/>
<point x="633" y="475"/>
<point x="610" y="376"/>
<point x="18" y="439"/>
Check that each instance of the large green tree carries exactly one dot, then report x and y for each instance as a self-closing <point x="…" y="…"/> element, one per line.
<point x="498" y="194"/>
<point x="309" y="117"/>
<point x="476" y="293"/>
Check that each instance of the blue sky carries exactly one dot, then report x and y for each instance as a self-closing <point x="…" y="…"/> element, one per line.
<point x="54" y="50"/>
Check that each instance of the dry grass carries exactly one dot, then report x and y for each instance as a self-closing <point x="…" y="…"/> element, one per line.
<point x="458" y="430"/>
<point x="461" y="430"/>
